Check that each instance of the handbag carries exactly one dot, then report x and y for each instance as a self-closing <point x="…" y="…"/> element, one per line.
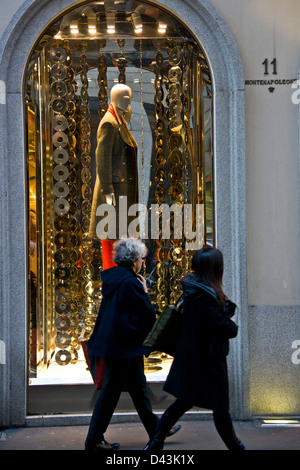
<point x="96" y="366"/>
<point x="166" y="330"/>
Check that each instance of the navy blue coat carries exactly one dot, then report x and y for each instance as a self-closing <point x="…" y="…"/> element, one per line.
<point x="198" y="374"/>
<point x="125" y="317"/>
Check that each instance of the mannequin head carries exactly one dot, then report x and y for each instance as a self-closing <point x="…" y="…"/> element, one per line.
<point x="120" y="96"/>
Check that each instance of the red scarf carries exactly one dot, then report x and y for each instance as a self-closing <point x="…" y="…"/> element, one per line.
<point x="111" y="110"/>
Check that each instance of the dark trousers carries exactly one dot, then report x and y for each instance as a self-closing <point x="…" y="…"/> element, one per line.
<point x="173" y="413"/>
<point x="120" y="372"/>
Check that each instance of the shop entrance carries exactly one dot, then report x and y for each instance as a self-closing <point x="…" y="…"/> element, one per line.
<point x="70" y="74"/>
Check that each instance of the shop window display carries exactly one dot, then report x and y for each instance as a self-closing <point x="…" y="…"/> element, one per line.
<point x="165" y="195"/>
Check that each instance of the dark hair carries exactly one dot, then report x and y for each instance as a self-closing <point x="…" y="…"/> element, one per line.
<point x="208" y="265"/>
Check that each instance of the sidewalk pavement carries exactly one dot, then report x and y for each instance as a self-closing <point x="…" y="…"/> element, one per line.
<point x="194" y="435"/>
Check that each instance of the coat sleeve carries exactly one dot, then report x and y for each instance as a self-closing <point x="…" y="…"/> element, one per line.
<point x="136" y="301"/>
<point x="104" y="156"/>
<point x="218" y="321"/>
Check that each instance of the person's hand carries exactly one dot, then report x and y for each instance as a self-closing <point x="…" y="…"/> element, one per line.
<point x="143" y="281"/>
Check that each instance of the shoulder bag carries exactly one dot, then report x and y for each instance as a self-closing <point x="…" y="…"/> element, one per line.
<point x="166" y="330"/>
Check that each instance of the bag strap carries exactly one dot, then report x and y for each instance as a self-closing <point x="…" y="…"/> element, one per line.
<point x="178" y="300"/>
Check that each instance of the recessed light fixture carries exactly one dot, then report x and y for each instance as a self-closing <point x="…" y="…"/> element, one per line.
<point x="92" y="22"/>
<point x="111" y="22"/>
<point x="137" y="22"/>
<point x="162" y="27"/>
<point x="74" y="27"/>
<point x="279" y="422"/>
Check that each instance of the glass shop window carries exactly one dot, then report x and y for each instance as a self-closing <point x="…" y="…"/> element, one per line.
<point x="168" y="128"/>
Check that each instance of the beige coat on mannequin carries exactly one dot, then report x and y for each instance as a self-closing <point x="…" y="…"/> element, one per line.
<point x="116" y="159"/>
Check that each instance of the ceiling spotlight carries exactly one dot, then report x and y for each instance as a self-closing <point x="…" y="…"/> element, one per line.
<point x="74" y="27"/>
<point x="92" y="22"/>
<point x="111" y="22"/>
<point x="137" y="22"/>
<point x="162" y="27"/>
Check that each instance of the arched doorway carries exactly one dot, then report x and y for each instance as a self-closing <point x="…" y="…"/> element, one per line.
<point x="229" y="169"/>
<point x="73" y="68"/>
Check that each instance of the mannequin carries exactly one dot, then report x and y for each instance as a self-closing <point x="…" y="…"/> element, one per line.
<point x="116" y="164"/>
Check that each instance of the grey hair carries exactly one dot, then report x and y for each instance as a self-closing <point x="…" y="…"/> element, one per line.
<point x="127" y="250"/>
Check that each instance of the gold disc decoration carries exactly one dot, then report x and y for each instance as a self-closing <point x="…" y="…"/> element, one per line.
<point x="87" y="291"/>
<point x="60" y="173"/>
<point x="121" y="62"/>
<point x="58" y="54"/>
<point x="62" y="323"/>
<point x="63" y="357"/>
<point x="102" y="80"/>
<point x="60" y="155"/>
<point x="187" y="140"/>
<point x="175" y="162"/>
<point x="160" y="191"/>
<point x="64" y="141"/>
<point x="172" y="129"/>
<point x="60" y="142"/>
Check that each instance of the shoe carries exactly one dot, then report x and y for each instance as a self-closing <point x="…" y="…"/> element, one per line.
<point x="103" y="445"/>
<point x="173" y="430"/>
<point x="156" y="444"/>
<point x="238" y="445"/>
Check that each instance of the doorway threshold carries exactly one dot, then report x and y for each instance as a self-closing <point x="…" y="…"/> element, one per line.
<point x="83" y="419"/>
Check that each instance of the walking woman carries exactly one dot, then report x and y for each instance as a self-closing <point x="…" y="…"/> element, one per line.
<point x="125" y="317"/>
<point x="198" y="375"/>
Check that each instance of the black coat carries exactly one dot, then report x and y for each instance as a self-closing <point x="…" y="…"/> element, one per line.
<point x="198" y="374"/>
<point x="125" y="317"/>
